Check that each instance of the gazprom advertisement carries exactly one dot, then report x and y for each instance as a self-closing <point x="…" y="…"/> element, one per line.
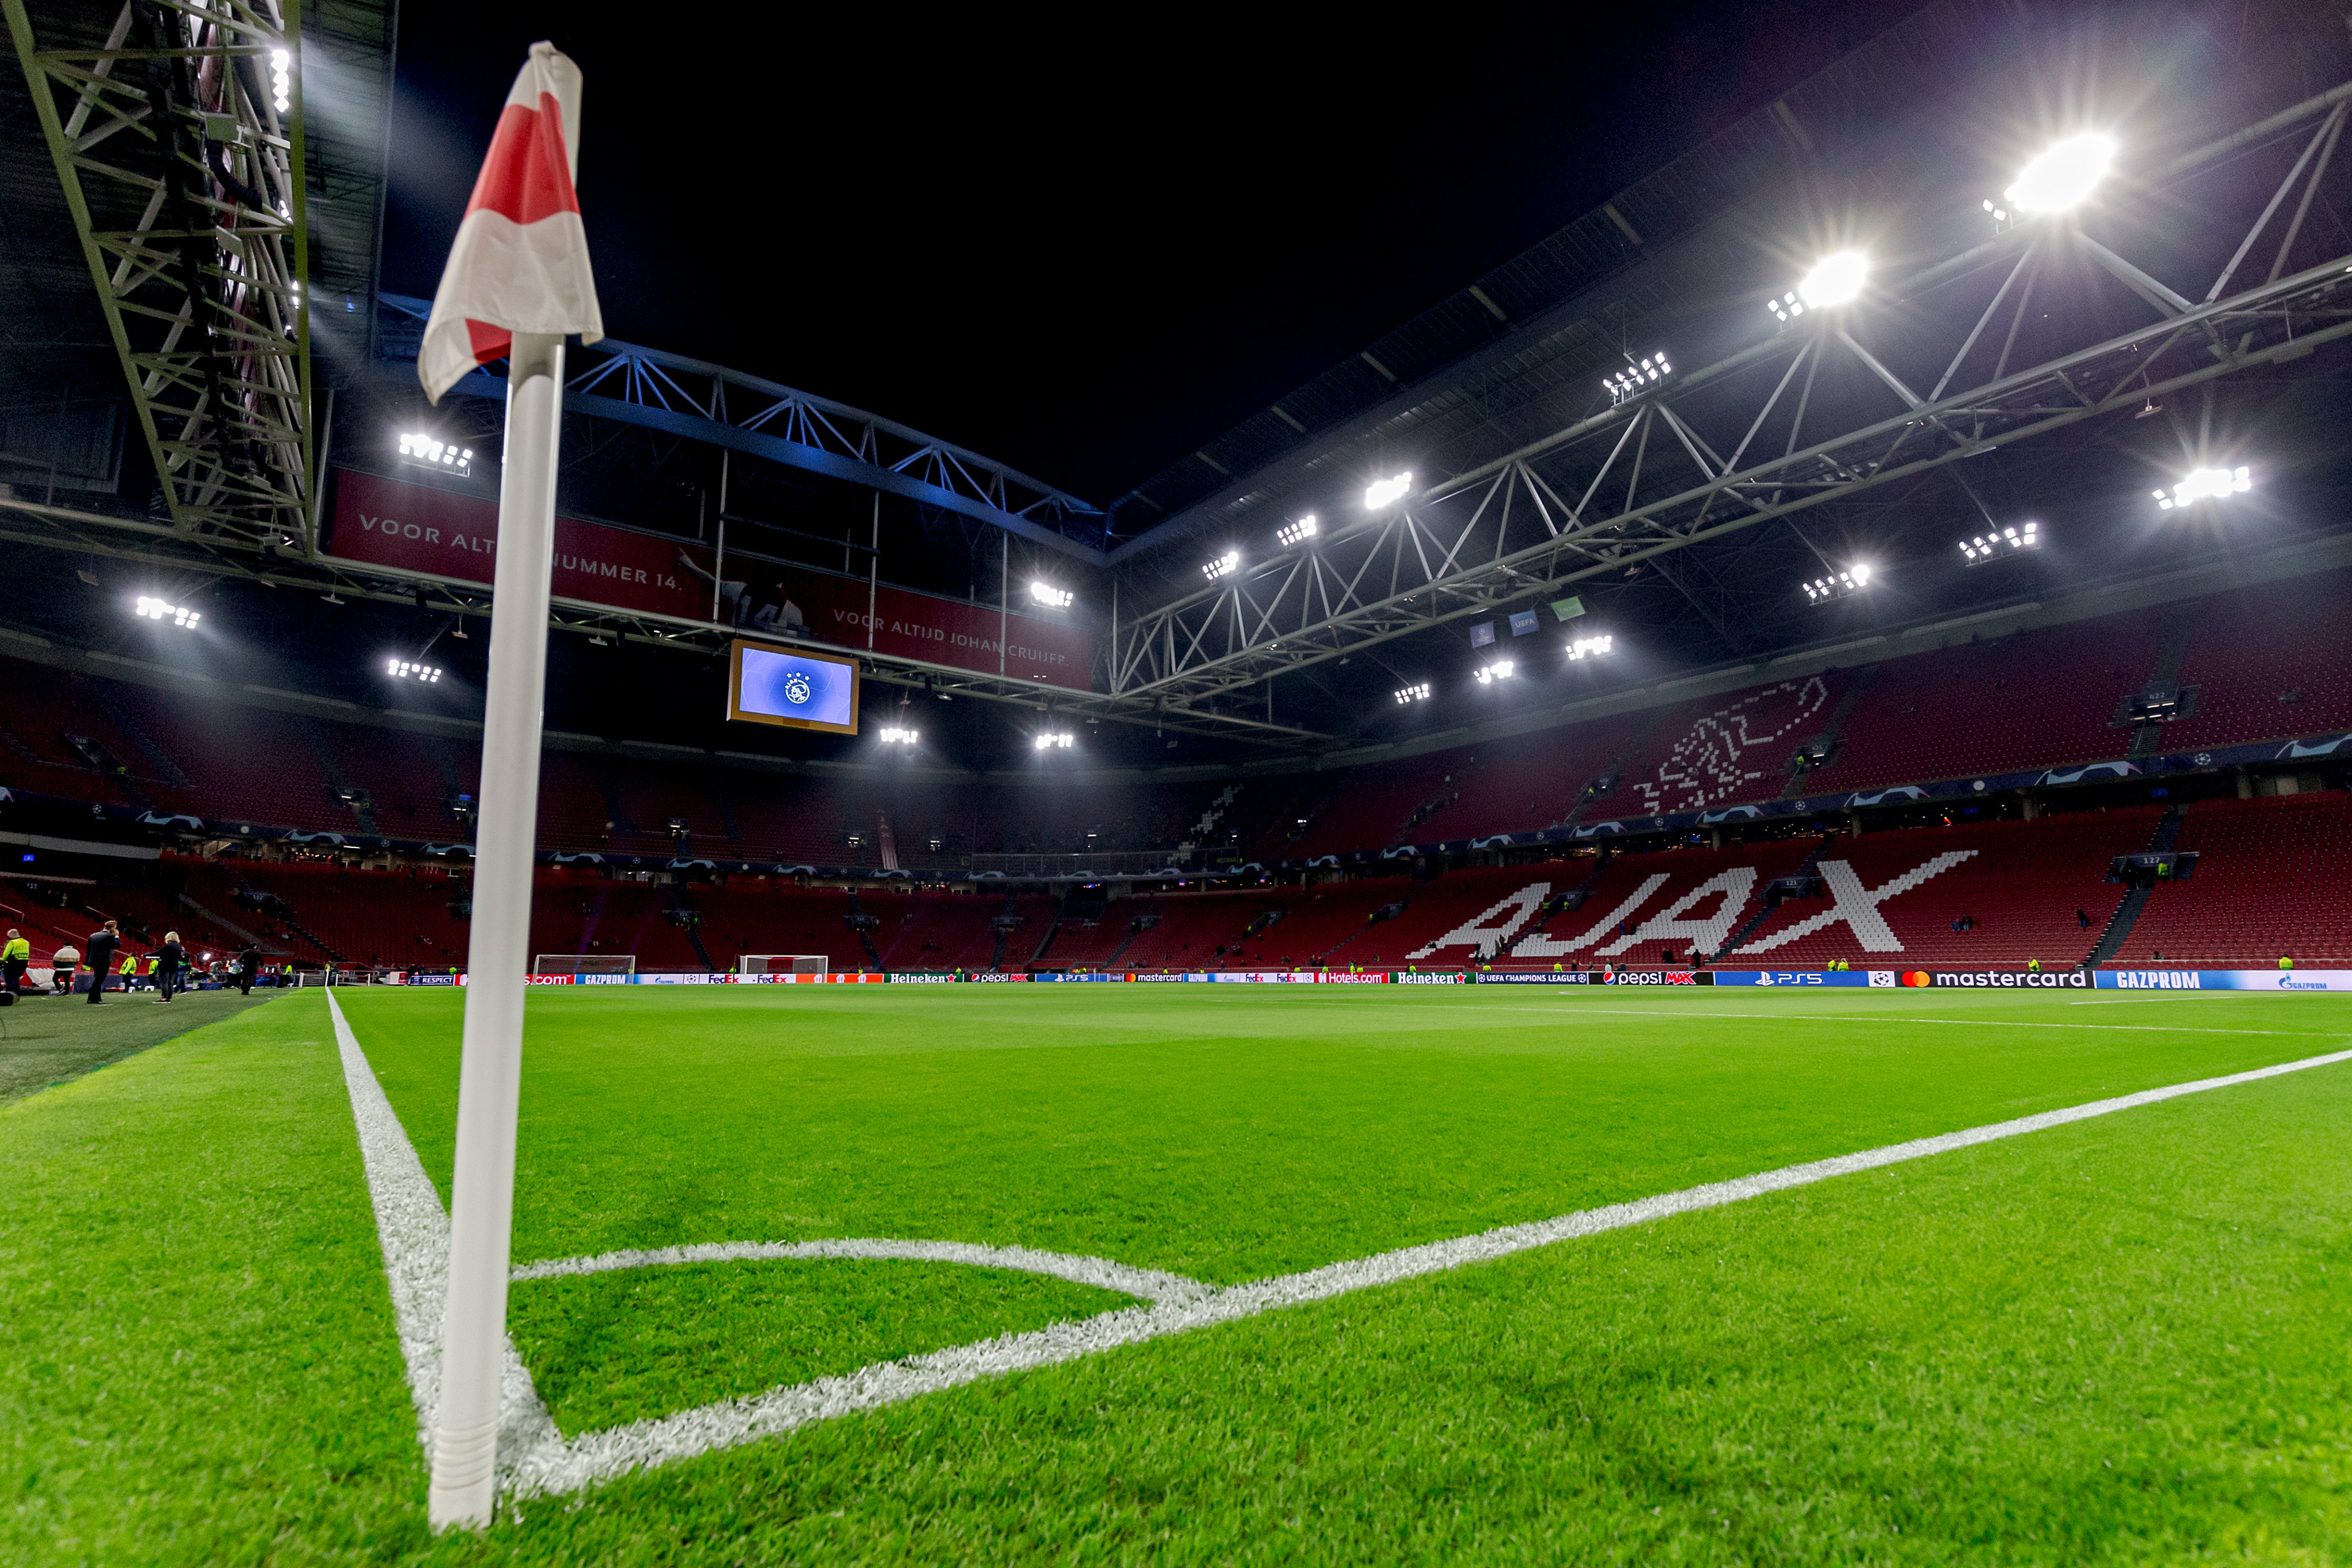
<point x="787" y="686"/>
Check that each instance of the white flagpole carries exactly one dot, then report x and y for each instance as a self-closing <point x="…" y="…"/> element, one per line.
<point x="481" y="1219"/>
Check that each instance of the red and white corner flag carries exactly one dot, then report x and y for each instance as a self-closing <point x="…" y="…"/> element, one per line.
<point x="521" y="261"/>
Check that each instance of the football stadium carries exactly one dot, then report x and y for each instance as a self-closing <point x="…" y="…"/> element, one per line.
<point x="1653" y="866"/>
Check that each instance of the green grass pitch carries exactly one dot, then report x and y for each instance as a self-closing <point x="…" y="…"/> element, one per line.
<point x="2120" y="1341"/>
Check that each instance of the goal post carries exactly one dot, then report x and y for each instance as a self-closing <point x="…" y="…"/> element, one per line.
<point x="584" y="964"/>
<point x="782" y="964"/>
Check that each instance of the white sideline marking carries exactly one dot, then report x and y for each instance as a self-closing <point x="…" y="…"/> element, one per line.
<point x="1150" y="1284"/>
<point x="534" y="1460"/>
<point x="414" y="1231"/>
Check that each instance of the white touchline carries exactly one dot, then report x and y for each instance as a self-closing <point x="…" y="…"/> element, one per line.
<point x="534" y="1460"/>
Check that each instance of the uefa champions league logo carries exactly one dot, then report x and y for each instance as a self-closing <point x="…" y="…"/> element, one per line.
<point x="796" y="688"/>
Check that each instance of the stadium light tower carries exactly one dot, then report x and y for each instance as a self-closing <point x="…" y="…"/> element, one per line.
<point x="1223" y="566"/>
<point x="1295" y="533"/>
<point x="1500" y="670"/>
<point x="2064" y="174"/>
<point x="1591" y="647"/>
<point x="1838" y="585"/>
<point x="1416" y="693"/>
<point x="1835" y="280"/>
<point x="431" y="451"/>
<point x="2206" y="484"/>
<point x="1051" y="597"/>
<point x="1054" y="740"/>
<point x="2000" y="543"/>
<point x="157" y="609"/>
<point x="1634" y="379"/>
<point x="401" y="669"/>
<point x="1387" y="491"/>
<point x="899" y="735"/>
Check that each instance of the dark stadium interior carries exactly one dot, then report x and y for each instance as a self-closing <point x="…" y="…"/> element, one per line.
<point x="1202" y="368"/>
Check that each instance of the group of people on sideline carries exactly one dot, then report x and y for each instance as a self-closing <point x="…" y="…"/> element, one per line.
<point x="105" y="961"/>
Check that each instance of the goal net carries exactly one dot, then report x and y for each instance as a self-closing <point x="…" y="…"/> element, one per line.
<point x="782" y="964"/>
<point x="584" y="964"/>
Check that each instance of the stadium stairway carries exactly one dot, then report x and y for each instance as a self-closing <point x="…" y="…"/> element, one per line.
<point x="2274" y="877"/>
<point x="1806" y="868"/>
<point x="2128" y="913"/>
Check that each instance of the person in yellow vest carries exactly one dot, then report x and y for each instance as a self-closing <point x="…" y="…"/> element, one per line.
<point x="130" y="971"/>
<point x="16" y="957"/>
<point x="2285" y="962"/>
<point x="2034" y="965"/>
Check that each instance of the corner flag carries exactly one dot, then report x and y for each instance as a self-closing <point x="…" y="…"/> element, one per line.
<point x="517" y="281"/>
<point x="521" y="260"/>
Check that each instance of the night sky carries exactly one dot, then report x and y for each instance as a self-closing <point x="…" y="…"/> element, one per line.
<point x="1080" y="249"/>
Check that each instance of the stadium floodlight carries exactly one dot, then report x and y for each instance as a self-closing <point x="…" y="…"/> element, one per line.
<point x="431" y="451"/>
<point x="1416" y="693"/>
<point x="1635" y="379"/>
<point x="412" y="669"/>
<point x="1222" y="566"/>
<point x="1054" y="739"/>
<point x="1837" y="585"/>
<point x="2206" y="484"/>
<point x="2000" y="543"/>
<point x="1295" y="533"/>
<point x="1383" y="492"/>
<point x="899" y="735"/>
<point x="1835" y="280"/>
<point x="1500" y="670"/>
<point x="177" y="615"/>
<point x="1590" y="647"/>
<point x="2064" y="174"/>
<point x="281" y="80"/>
<point x="1051" y="597"/>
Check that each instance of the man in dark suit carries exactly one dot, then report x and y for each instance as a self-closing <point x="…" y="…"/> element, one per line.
<point x="98" y="952"/>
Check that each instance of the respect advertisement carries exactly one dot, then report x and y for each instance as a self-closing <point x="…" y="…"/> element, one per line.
<point x="452" y="537"/>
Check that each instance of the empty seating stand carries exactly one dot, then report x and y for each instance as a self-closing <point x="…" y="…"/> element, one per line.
<point x="2273" y="880"/>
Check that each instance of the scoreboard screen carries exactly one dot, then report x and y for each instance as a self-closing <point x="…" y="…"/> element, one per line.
<point x="788" y="686"/>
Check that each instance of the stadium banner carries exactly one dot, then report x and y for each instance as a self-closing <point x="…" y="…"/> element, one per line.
<point x="926" y="977"/>
<point x="547" y="979"/>
<point x="1988" y="979"/>
<point x="1659" y="978"/>
<point x="1357" y="978"/>
<point x="1417" y="977"/>
<point x="1565" y="977"/>
<point x="1802" y="978"/>
<point x="442" y="534"/>
<point x="993" y="979"/>
<point x="1066" y="976"/>
<point x="2288" y="980"/>
<point x="849" y="977"/>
